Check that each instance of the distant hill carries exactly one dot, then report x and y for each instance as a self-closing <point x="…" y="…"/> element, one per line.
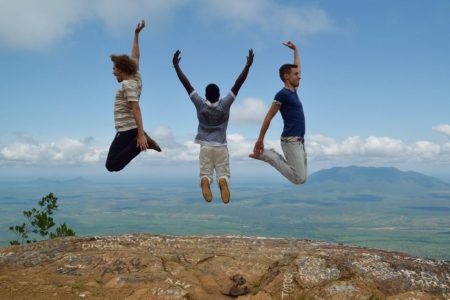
<point x="74" y="181"/>
<point x="374" y="179"/>
<point x="374" y="183"/>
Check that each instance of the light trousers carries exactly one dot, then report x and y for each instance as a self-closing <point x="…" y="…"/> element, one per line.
<point x="214" y="158"/>
<point x="293" y="165"/>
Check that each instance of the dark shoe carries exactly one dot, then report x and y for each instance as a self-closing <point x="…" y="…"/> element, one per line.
<point x="152" y="144"/>
<point x="224" y="191"/>
<point x="206" y="190"/>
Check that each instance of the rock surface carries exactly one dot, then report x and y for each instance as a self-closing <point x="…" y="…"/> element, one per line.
<point x="168" y="267"/>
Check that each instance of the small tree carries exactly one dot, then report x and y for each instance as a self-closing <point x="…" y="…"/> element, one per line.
<point x="39" y="221"/>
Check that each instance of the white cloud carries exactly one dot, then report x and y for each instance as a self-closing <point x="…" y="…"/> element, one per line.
<point x="443" y="128"/>
<point x="116" y="13"/>
<point x="269" y="16"/>
<point x="425" y="149"/>
<point x="249" y="110"/>
<point x="30" y="24"/>
<point x="382" y="146"/>
<point x="164" y="136"/>
<point x="36" y="25"/>
<point x="172" y="149"/>
<point x="381" y="149"/>
<point x="238" y="146"/>
<point x="64" y="150"/>
<point x="446" y="148"/>
<point x="320" y="148"/>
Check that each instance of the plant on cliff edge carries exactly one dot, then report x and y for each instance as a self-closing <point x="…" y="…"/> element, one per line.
<point x="39" y="221"/>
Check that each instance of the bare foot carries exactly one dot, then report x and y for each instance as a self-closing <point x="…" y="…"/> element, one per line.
<point x="252" y="155"/>
<point x="152" y="144"/>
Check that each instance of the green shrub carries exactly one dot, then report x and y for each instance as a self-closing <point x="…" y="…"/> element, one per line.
<point x="39" y="222"/>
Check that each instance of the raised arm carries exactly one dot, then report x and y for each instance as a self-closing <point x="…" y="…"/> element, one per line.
<point x="135" y="53"/>
<point x="176" y="64"/>
<point x="292" y="46"/>
<point x="259" y="145"/>
<point x="240" y="80"/>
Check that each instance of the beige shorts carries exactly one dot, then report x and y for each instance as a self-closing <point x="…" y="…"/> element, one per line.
<point x="214" y="158"/>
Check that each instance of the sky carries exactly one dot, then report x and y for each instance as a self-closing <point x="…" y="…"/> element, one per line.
<point x="375" y="82"/>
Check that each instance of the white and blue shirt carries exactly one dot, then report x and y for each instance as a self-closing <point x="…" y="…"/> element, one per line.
<point x="212" y="119"/>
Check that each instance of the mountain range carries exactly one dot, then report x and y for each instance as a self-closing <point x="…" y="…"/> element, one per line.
<point x="376" y="180"/>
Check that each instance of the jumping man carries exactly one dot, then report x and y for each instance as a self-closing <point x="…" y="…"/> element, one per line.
<point x="130" y="137"/>
<point x="293" y="165"/>
<point x="213" y="114"/>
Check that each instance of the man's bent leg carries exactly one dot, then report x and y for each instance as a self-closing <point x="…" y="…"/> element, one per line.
<point x="123" y="149"/>
<point x="206" y="171"/>
<point x="206" y="162"/>
<point x="277" y="161"/>
<point x="222" y="166"/>
<point x="296" y="158"/>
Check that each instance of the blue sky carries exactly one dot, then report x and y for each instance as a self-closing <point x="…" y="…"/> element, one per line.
<point x="375" y="81"/>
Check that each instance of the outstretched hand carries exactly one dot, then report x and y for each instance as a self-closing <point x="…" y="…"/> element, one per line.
<point x="250" y="57"/>
<point x="176" y="58"/>
<point x="290" y="45"/>
<point x="139" y="27"/>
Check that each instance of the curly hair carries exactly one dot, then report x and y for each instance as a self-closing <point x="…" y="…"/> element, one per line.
<point x="124" y="63"/>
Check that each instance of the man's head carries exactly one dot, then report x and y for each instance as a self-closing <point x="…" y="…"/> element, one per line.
<point x="123" y="66"/>
<point x="290" y="75"/>
<point x="212" y="93"/>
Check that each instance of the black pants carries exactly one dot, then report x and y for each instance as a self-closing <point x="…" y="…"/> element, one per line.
<point x="123" y="149"/>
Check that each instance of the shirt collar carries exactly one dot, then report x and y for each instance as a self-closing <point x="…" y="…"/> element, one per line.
<point x="212" y="105"/>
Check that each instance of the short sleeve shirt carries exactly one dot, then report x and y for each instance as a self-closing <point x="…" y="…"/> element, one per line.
<point x="292" y="113"/>
<point x="212" y="119"/>
<point x="130" y="91"/>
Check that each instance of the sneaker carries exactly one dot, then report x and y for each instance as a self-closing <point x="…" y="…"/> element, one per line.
<point x="152" y="144"/>
<point x="224" y="191"/>
<point x="206" y="190"/>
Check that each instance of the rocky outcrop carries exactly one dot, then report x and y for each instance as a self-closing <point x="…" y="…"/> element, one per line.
<point x="167" y="267"/>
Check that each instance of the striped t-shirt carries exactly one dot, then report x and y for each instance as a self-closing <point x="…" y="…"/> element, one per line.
<point x="123" y="114"/>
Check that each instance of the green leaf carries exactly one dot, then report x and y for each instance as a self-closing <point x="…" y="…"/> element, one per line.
<point x="40" y="222"/>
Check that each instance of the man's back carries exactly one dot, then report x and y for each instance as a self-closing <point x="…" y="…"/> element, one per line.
<point x="213" y="119"/>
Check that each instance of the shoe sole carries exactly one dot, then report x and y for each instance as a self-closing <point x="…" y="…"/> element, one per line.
<point x="224" y="191"/>
<point x="206" y="190"/>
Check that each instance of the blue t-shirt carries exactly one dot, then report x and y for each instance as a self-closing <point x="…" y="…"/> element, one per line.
<point x="292" y="113"/>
